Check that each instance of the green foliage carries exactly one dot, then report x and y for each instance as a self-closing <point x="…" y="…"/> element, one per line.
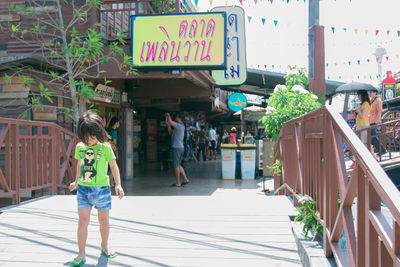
<point x="157" y="6"/>
<point x="289" y="102"/>
<point x="309" y="217"/>
<point x="72" y="51"/>
<point x="276" y="168"/>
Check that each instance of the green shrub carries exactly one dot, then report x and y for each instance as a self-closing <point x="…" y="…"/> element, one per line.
<point x="309" y="217"/>
<point x="288" y="102"/>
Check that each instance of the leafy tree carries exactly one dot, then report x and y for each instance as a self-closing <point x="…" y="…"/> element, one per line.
<point x="73" y="58"/>
<point x="289" y="102"/>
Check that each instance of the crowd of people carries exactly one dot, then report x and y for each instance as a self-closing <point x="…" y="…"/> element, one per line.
<point x="203" y="144"/>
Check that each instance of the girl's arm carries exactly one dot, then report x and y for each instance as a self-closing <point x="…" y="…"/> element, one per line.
<point x="117" y="178"/>
<point x="74" y="184"/>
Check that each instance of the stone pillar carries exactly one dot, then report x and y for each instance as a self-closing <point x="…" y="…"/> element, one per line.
<point x="126" y="146"/>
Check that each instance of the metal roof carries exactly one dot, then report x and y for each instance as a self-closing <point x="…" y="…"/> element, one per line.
<point x="261" y="82"/>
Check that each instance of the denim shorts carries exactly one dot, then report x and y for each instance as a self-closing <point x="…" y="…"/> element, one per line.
<point x="177" y="156"/>
<point x="97" y="196"/>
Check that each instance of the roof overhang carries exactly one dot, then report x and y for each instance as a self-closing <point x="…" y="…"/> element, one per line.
<point x="261" y="82"/>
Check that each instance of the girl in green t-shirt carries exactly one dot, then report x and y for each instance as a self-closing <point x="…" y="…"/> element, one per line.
<point x="94" y="155"/>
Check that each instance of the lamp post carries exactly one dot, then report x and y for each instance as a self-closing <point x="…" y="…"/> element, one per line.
<point x="379" y="53"/>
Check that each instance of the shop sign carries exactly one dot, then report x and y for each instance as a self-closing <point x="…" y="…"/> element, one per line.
<point x="235" y="72"/>
<point x="177" y="41"/>
<point x="389" y="87"/>
<point x="103" y="93"/>
<point x="253" y="115"/>
<point x="237" y="101"/>
<point x="116" y="98"/>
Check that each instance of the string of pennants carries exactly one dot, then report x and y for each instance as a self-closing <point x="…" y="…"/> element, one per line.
<point x="278" y="68"/>
<point x="256" y="1"/>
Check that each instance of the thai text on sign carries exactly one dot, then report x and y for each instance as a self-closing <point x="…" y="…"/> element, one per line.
<point x="235" y="72"/>
<point x="179" y="40"/>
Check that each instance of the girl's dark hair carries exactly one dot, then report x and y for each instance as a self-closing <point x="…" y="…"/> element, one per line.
<point x="113" y="121"/>
<point x="90" y="124"/>
<point x="364" y="96"/>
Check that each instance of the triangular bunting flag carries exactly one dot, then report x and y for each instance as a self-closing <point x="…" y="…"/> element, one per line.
<point x="398" y="33"/>
<point x="327" y="64"/>
<point x="366" y="31"/>
<point x="275" y="22"/>
<point x="376" y="32"/>
<point x="273" y="66"/>
<point x="263" y="20"/>
<point x="355" y="31"/>
<point x="265" y="66"/>
<point x="333" y="29"/>
<point x="387" y="32"/>
<point x="195" y="2"/>
<point x="241" y="1"/>
<point x="255" y="2"/>
<point x="387" y="57"/>
<point x="287" y="1"/>
<point x="340" y="77"/>
<point x="249" y="17"/>
<point x="368" y="60"/>
<point x="211" y="2"/>
<point x="349" y="62"/>
<point x="358" y="61"/>
<point x="345" y="29"/>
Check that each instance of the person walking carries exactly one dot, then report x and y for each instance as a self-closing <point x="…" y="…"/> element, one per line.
<point x="374" y="119"/>
<point x="362" y="112"/>
<point x="177" y="135"/>
<point x="94" y="155"/>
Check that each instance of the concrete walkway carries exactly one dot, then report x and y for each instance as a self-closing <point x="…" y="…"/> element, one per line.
<point x="224" y="224"/>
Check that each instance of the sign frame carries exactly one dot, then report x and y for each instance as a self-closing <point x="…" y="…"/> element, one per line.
<point x="220" y="75"/>
<point x="180" y="67"/>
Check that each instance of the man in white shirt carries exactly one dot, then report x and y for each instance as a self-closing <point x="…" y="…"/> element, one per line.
<point x="212" y="137"/>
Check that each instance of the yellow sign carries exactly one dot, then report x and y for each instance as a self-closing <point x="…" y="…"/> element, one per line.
<point x="227" y="157"/>
<point x="179" y="41"/>
<point x="248" y="157"/>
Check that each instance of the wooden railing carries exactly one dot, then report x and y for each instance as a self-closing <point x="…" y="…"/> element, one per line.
<point x="34" y="156"/>
<point x="311" y="150"/>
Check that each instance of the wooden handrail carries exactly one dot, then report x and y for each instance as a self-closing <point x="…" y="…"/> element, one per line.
<point x="35" y="160"/>
<point x="318" y="169"/>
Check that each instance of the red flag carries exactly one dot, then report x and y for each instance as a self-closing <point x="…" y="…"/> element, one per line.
<point x="376" y="32"/>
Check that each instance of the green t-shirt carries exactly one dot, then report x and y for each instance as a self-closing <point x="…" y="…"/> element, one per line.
<point x="94" y="163"/>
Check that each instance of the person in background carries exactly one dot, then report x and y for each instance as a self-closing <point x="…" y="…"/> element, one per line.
<point x="177" y="135"/>
<point x="232" y="136"/>
<point x="362" y="112"/>
<point x="375" y="118"/>
<point x="112" y="131"/>
<point x="201" y="142"/>
<point x="94" y="155"/>
<point x="212" y="137"/>
<point x="225" y="137"/>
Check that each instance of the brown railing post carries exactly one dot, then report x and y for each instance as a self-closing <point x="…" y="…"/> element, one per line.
<point x="54" y="159"/>
<point x="15" y="163"/>
<point x="362" y="221"/>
